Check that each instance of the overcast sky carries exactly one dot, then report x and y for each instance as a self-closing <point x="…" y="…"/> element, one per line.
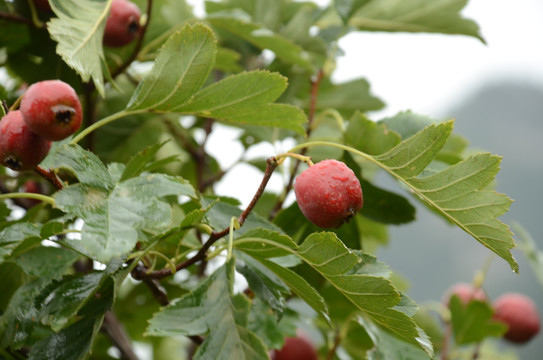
<point x="429" y="73"/>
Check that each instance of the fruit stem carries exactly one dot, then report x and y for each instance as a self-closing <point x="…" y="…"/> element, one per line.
<point x="50" y="176"/>
<point x="103" y="122"/>
<point x="167" y="259"/>
<point x="281" y="158"/>
<point x="332" y="113"/>
<point x="46" y="199"/>
<point x="332" y="144"/>
<point x="34" y="14"/>
<point x="16" y="103"/>
<point x="234" y="224"/>
<point x="480" y="275"/>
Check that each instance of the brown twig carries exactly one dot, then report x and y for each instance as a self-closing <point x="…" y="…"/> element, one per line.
<point x="49" y="176"/>
<point x="215" y="236"/>
<point x="118" y="336"/>
<point x="157" y="290"/>
<point x="196" y="151"/>
<point x="332" y="352"/>
<point x="315" y="83"/>
<point x="15" y="18"/>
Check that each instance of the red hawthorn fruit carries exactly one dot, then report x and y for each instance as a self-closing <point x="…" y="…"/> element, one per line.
<point x="123" y="23"/>
<point x="328" y="193"/>
<point x="520" y="313"/>
<point x="51" y="109"/>
<point x="31" y="186"/>
<point x="295" y="348"/>
<point x="20" y="148"/>
<point x="466" y="292"/>
<point x="43" y="5"/>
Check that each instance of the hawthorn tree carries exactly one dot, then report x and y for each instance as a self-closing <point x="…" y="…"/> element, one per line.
<point x="118" y="237"/>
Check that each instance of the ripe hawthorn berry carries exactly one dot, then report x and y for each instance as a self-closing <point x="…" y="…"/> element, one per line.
<point x="295" y="348"/>
<point x="466" y="292"/>
<point x="328" y="193"/>
<point x="520" y="314"/>
<point x="43" y="5"/>
<point x="51" y="109"/>
<point x="20" y="148"/>
<point x="31" y="186"/>
<point x="123" y="23"/>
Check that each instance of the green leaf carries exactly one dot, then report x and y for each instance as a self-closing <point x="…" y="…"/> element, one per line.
<point x="370" y="137"/>
<point x="220" y="214"/>
<point x="262" y="38"/>
<point x="325" y="253"/>
<point x="72" y="343"/>
<point x="247" y="98"/>
<point x="473" y="323"/>
<point x="14" y="35"/>
<point x="84" y="164"/>
<point x="114" y="213"/>
<point x="62" y="299"/>
<point x="20" y="320"/>
<point x="385" y="206"/>
<point x="277" y="245"/>
<point x="375" y="296"/>
<point x="347" y="97"/>
<point x="265" y="324"/>
<point x="528" y="246"/>
<point x="141" y="161"/>
<point x="113" y="218"/>
<point x="388" y="347"/>
<point x="13" y="278"/>
<point x="300" y="287"/>
<point x="410" y="157"/>
<point x="228" y="60"/>
<point x="432" y="16"/>
<point x="356" y="341"/>
<point x="345" y="8"/>
<point x="379" y="204"/>
<point x="55" y="226"/>
<point x="78" y="29"/>
<point x="370" y="266"/>
<point x="264" y="283"/>
<point x="4" y="212"/>
<point x="408" y="124"/>
<point x="457" y="192"/>
<point x="212" y="308"/>
<point x="47" y="262"/>
<point x="426" y="320"/>
<point x="14" y="234"/>
<point x="180" y="69"/>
